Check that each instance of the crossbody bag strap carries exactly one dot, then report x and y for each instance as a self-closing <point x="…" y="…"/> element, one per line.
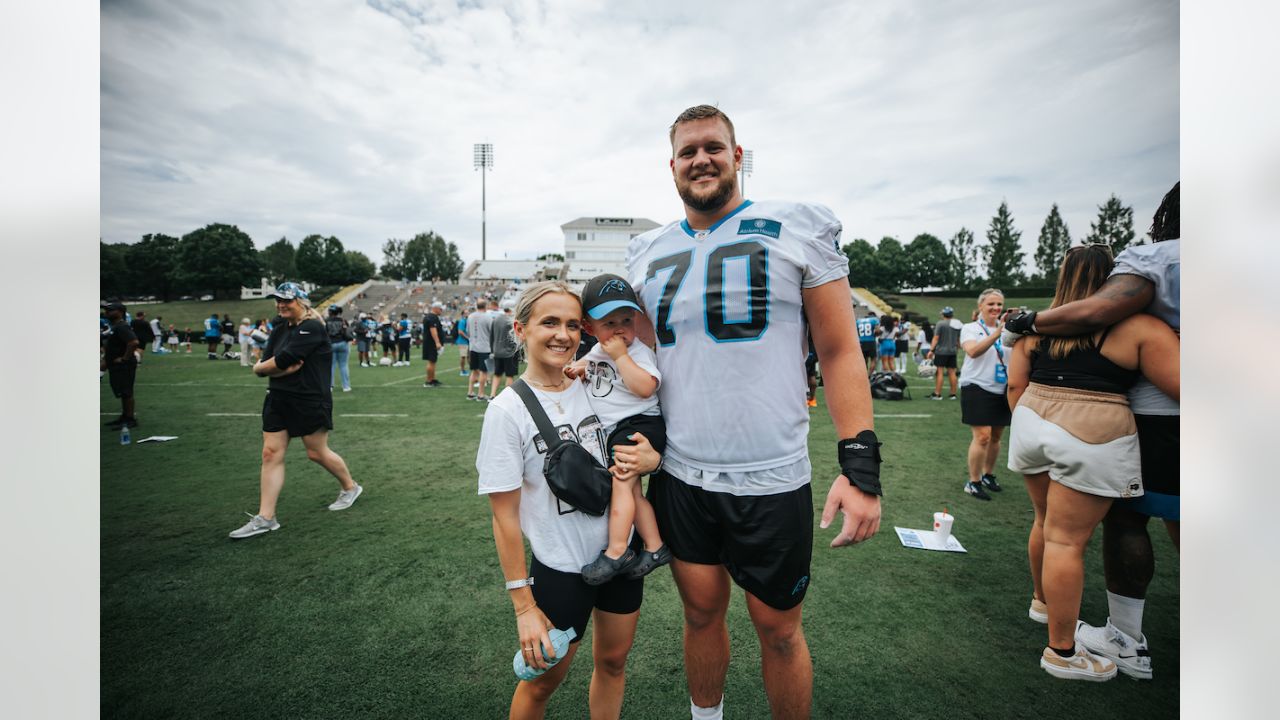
<point x="531" y="403"/>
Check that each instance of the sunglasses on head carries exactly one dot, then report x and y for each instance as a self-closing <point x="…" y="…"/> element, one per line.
<point x="1082" y="246"/>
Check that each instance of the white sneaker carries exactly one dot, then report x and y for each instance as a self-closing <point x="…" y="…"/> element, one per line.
<point x="1084" y="665"/>
<point x="1111" y="642"/>
<point x="1038" y="611"/>
<point x="347" y="498"/>
<point x="257" y="525"/>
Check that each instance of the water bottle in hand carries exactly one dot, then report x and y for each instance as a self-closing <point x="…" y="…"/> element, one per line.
<point x="560" y="639"/>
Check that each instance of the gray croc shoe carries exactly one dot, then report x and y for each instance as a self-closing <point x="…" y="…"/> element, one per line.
<point x="648" y="562"/>
<point x="604" y="568"/>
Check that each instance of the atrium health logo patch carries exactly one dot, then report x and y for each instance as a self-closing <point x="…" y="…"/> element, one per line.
<point x="760" y="226"/>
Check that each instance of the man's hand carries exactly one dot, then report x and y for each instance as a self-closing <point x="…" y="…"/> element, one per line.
<point x="861" y="512"/>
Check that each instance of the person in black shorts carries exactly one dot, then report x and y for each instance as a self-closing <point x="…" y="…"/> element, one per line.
<point x="299" y="403"/>
<point x="506" y="353"/>
<point x="121" y="363"/>
<point x="432" y="343"/>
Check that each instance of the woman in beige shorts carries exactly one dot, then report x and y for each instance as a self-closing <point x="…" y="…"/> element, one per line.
<point x="1074" y="439"/>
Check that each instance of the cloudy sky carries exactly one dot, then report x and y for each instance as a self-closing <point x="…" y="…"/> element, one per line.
<point x="357" y="119"/>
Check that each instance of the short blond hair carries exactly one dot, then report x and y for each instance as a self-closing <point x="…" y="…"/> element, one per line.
<point x="534" y="293"/>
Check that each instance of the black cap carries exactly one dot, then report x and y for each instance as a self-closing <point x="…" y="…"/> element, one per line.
<point x="606" y="293"/>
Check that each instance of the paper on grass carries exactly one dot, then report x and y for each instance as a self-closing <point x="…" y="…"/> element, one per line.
<point x="928" y="540"/>
<point x="159" y="438"/>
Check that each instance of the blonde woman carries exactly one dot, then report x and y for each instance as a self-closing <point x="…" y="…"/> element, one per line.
<point x="550" y="591"/>
<point x="983" y="380"/>
<point x="299" y="403"/>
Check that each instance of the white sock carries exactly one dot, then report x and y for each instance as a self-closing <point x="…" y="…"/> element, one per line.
<point x="711" y="713"/>
<point x="1126" y="614"/>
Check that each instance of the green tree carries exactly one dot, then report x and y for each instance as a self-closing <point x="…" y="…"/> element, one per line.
<point x="551" y="257"/>
<point x="322" y="260"/>
<point x="114" y="280"/>
<point x="425" y="256"/>
<point x="1114" y="226"/>
<point x="277" y="261"/>
<point x="359" y="267"/>
<point x="863" y="270"/>
<point x="1054" y="241"/>
<point x="963" y="265"/>
<point x="153" y="265"/>
<point x="892" y="261"/>
<point x="1003" y="253"/>
<point x="220" y="258"/>
<point x="453" y="266"/>
<point x="393" y="259"/>
<point x="928" y="264"/>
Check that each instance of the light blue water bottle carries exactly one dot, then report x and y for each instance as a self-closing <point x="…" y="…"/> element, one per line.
<point x="125" y="439"/>
<point x="560" y="639"/>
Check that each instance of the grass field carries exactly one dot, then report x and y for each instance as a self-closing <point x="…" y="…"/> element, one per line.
<point x="183" y="314"/>
<point x="395" y="607"/>
<point x="931" y="307"/>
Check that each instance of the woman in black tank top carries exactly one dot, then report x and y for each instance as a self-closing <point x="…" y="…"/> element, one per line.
<point x="1074" y="439"/>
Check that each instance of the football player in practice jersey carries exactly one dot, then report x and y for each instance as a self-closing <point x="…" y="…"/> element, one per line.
<point x="727" y="289"/>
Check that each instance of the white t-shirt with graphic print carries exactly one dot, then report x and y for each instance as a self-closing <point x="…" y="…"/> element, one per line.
<point x="510" y="457"/>
<point x="610" y="396"/>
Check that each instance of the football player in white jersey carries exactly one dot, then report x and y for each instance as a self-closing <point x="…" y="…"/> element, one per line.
<point x="727" y="289"/>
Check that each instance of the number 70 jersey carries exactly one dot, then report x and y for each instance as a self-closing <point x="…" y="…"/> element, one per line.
<point x="726" y="308"/>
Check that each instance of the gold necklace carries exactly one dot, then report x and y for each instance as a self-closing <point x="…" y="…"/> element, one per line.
<point x="557" y="387"/>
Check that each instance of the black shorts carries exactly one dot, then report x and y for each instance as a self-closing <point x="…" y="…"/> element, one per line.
<point x="477" y="360"/>
<point x="429" y="352"/>
<point x="901" y="346"/>
<point x="388" y="347"/>
<point x="121" y="379"/>
<point x="811" y="366"/>
<point x="868" y="349"/>
<point x="944" y="361"/>
<point x="1161" y="476"/>
<point x="567" y="600"/>
<point x="299" y="415"/>
<point x="653" y="427"/>
<point x="983" y="408"/>
<point x="764" y="541"/>
<point x="506" y="367"/>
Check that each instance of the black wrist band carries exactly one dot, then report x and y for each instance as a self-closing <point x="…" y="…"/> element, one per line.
<point x="1022" y="323"/>
<point x="859" y="458"/>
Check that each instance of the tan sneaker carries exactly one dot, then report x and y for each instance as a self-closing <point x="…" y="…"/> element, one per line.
<point x="1084" y="665"/>
<point x="1038" y="611"/>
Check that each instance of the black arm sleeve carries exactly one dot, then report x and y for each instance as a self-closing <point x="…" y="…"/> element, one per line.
<point x="302" y="342"/>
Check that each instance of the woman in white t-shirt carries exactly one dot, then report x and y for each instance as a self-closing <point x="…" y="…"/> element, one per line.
<point x="983" y="382"/>
<point x="547" y="323"/>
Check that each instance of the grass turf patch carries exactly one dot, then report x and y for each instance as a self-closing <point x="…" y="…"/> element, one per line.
<point x="395" y="608"/>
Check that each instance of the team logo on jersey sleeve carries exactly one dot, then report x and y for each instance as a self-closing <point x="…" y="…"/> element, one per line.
<point x="760" y="226"/>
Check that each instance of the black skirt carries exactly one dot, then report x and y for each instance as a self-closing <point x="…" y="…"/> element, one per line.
<point x="983" y="408"/>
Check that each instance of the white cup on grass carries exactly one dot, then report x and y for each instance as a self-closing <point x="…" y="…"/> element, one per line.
<point x="942" y="525"/>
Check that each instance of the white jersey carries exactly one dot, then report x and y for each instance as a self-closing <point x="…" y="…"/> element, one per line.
<point x="510" y="457"/>
<point x="726" y="309"/>
<point x="612" y="400"/>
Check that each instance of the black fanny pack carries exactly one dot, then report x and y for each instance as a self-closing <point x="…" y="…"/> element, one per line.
<point x="574" y="475"/>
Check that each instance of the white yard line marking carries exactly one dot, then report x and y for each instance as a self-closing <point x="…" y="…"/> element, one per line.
<point x="904" y="415"/>
<point x="374" y="415"/>
<point x="234" y="414"/>
<point x="397" y="382"/>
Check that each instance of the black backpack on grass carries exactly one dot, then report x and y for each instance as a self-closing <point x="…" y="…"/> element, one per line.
<point x="889" y="386"/>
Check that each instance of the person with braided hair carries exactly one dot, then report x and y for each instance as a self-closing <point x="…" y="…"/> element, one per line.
<point x="1146" y="278"/>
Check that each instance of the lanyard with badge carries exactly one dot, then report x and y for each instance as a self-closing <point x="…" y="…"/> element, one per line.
<point x="1002" y="373"/>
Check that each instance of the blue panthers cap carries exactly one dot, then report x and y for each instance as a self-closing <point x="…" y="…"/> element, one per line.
<point x="947" y="311"/>
<point x="606" y="293"/>
<point x="288" y="291"/>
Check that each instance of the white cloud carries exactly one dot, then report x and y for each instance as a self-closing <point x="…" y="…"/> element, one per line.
<point x="357" y="120"/>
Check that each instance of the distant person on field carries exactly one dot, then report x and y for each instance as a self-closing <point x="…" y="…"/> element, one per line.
<point x="901" y="345"/>
<point x="335" y="326"/>
<point x="212" y="334"/>
<point x="141" y="330"/>
<point x="868" y="330"/>
<point x="946" y="343"/>
<point x="1146" y="278"/>
<point x="186" y="339"/>
<point x="120" y="361"/>
<point x="387" y="338"/>
<point x="622" y="378"/>
<point x="244" y="337"/>
<point x="983" y="383"/>
<point x="299" y="403"/>
<point x="888" y="346"/>
<point x="171" y="338"/>
<point x="362" y="339"/>
<point x="228" y="335"/>
<point x="463" y="342"/>
<point x="433" y="336"/>
<point x="479" y="328"/>
<point x="157" y="333"/>
<point x="404" y="340"/>
<point x="1075" y="440"/>
<point x="506" y="352"/>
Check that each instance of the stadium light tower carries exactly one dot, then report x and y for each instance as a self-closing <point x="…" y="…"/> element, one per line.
<point x="483" y="159"/>
<point x="748" y="162"/>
